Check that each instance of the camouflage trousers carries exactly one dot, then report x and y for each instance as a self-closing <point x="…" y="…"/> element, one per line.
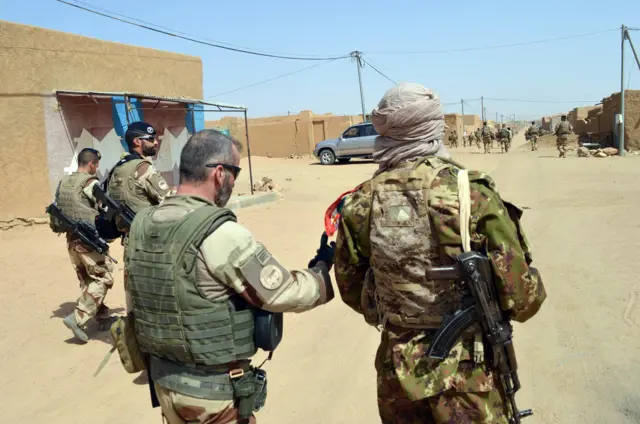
<point x="534" y="143"/>
<point x="561" y="143"/>
<point x="487" y="144"/>
<point x="182" y="409"/>
<point x="449" y="407"/>
<point x="94" y="274"/>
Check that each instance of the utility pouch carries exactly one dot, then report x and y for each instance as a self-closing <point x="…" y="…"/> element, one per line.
<point x="268" y="329"/>
<point x="124" y="339"/>
<point x="250" y="391"/>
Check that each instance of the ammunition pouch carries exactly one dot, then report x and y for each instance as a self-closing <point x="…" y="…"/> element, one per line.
<point x="268" y="329"/>
<point x="123" y="335"/>
<point x="249" y="390"/>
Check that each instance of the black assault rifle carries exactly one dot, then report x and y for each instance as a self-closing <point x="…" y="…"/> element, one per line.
<point x="480" y="305"/>
<point x="111" y="208"/>
<point x="86" y="232"/>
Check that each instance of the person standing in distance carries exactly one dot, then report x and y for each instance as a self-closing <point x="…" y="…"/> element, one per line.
<point x="404" y="221"/>
<point x="134" y="180"/>
<point x="74" y="197"/>
<point x="562" y="131"/>
<point x="533" y="133"/>
<point x="487" y="137"/>
<point x="197" y="278"/>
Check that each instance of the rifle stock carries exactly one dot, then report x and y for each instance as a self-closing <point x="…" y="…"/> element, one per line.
<point x="111" y="208"/>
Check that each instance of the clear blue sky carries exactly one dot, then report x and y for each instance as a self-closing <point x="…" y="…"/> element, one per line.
<point x="586" y="68"/>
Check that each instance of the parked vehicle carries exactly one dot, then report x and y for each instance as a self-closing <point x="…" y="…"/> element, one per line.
<point x="355" y="142"/>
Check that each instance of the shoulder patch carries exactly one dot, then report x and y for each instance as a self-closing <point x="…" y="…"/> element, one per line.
<point x="271" y="277"/>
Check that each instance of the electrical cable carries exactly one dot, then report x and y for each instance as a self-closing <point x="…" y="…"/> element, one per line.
<point x="379" y="72"/>
<point x="274" y="78"/>
<point x="502" y="46"/>
<point x="217" y="45"/>
<point x="539" y="101"/>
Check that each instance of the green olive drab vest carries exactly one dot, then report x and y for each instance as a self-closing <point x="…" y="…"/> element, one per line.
<point x="403" y="247"/>
<point x="72" y="201"/>
<point x="533" y="130"/>
<point x="122" y="186"/>
<point x="173" y="320"/>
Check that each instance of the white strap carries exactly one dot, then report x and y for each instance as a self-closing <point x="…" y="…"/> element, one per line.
<point x="464" y="198"/>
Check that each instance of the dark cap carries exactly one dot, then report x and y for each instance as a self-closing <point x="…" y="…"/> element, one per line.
<point x="138" y="129"/>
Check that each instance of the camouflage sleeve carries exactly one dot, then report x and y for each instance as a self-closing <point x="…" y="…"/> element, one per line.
<point x="351" y="260"/>
<point x="152" y="182"/>
<point x="496" y="231"/>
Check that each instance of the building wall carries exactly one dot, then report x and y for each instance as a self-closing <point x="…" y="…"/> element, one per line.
<point x="34" y="62"/>
<point x="282" y="136"/>
<point x="453" y="121"/>
<point x="472" y="123"/>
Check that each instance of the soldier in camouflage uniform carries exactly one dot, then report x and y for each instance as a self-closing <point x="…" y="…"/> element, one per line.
<point x="397" y="225"/>
<point x="562" y="131"/>
<point x="472" y="138"/>
<point x="453" y="139"/>
<point x="198" y="323"/>
<point x="487" y="138"/>
<point x="74" y="197"/>
<point x="134" y="180"/>
<point x="478" y="137"/>
<point x="532" y="134"/>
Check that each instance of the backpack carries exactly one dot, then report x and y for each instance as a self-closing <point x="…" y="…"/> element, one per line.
<point x="504" y="133"/>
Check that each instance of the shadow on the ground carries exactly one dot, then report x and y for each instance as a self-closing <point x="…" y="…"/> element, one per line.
<point x="142" y="379"/>
<point x="63" y="310"/>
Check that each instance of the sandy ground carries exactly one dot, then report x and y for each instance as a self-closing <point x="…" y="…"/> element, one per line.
<point x="578" y="358"/>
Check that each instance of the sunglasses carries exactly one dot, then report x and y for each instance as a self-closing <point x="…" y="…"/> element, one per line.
<point x="235" y="170"/>
<point x="147" y="137"/>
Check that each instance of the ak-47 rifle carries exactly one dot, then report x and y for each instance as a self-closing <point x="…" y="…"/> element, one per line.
<point x="111" y="208"/>
<point x="86" y="232"/>
<point x="481" y="304"/>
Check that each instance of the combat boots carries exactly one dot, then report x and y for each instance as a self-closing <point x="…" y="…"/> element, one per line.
<point x="72" y="324"/>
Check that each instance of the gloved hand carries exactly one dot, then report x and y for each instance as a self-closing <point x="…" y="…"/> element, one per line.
<point x="325" y="252"/>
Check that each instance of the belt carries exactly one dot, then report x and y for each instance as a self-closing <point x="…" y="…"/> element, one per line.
<point x="211" y="382"/>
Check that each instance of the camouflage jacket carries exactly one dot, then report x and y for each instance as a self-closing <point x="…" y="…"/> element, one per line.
<point x="495" y="231"/>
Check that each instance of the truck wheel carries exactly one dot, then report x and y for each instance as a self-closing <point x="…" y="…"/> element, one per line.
<point x="344" y="160"/>
<point x="327" y="157"/>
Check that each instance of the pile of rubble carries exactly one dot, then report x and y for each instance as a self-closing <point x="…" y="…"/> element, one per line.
<point x="265" y="185"/>
<point x="583" y="152"/>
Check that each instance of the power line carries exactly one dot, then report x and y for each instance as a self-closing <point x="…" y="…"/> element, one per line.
<point x="379" y="72"/>
<point x="173" y="33"/>
<point x="274" y="78"/>
<point x="540" y="101"/>
<point x="500" y="46"/>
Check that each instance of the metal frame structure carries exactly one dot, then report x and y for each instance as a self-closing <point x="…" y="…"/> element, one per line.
<point x="214" y="107"/>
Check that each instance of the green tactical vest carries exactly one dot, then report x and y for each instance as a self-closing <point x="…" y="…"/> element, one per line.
<point x="122" y="187"/>
<point x="486" y="131"/>
<point x="72" y="201"/>
<point x="533" y="130"/>
<point x="403" y="247"/>
<point x="173" y="320"/>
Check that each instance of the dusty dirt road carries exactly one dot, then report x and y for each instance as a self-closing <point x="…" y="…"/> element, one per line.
<point x="578" y="358"/>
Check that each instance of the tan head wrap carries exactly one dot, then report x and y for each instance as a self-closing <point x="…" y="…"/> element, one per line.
<point x="410" y="122"/>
